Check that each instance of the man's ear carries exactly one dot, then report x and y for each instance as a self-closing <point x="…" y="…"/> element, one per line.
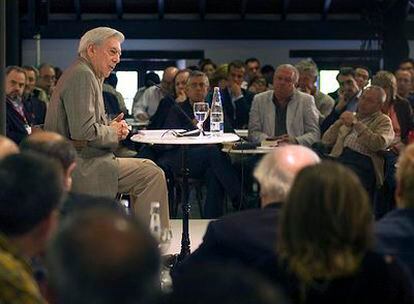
<point x="68" y="177"/>
<point x="90" y="50"/>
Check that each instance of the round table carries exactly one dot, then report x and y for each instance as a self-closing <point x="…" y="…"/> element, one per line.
<point x="167" y="137"/>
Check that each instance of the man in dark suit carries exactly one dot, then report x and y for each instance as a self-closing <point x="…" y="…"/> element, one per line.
<point x="248" y="237"/>
<point x="395" y="231"/>
<point x="236" y="101"/>
<point x="18" y="123"/>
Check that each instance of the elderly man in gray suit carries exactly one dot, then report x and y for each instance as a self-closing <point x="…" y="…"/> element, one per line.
<point x="77" y="112"/>
<point x="284" y="113"/>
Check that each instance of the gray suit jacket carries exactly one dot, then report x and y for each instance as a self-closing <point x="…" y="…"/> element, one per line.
<point x="77" y="112"/>
<point x="301" y="118"/>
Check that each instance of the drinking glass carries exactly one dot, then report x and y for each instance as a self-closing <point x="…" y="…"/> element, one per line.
<point x="200" y="113"/>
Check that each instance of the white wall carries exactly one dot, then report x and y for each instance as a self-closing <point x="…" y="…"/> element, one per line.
<point x="62" y="52"/>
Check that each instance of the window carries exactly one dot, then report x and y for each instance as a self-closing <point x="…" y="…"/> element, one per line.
<point x="127" y="86"/>
<point x="327" y="81"/>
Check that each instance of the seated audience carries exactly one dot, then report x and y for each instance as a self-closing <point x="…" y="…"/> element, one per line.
<point x="357" y="139"/>
<point x="147" y="104"/>
<point x="219" y="78"/>
<point x="284" y="112"/>
<point x="407" y="65"/>
<point x="252" y="66"/>
<point x="208" y="67"/>
<point x="202" y="160"/>
<point x="347" y="97"/>
<point x="35" y="108"/>
<point x="399" y="110"/>
<point x="57" y="147"/>
<point x="258" y="85"/>
<point x="308" y="75"/>
<point x="268" y="71"/>
<point x="113" y="100"/>
<point x="362" y="76"/>
<point x="150" y="79"/>
<point x="102" y="256"/>
<point x="46" y="82"/>
<point x="18" y="120"/>
<point x="236" y="100"/>
<point x="405" y="85"/>
<point x="158" y="119"/>
<point x="31" y="190"/>
<point x="249" y="236"/>
<point x="326" y="242"/>
<point x="395" y="231"/>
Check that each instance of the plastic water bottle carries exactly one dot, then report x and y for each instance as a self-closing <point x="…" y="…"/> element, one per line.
<point x="155" y="221"/>
<point x="217" y="115"/>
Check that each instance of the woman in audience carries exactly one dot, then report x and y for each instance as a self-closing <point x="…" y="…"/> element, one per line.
<point x="208" y="67"/>
<point x="326" y="240"/>
<point x="180" y="80"/>
<point x="399" y="110"/>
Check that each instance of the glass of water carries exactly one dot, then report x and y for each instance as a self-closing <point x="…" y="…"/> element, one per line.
<point x="200" y="113"/>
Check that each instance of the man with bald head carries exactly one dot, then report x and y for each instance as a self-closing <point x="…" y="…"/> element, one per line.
<point x="146" y="106"/>
<point x="249" y="236"/>
<point x="126" y="270"/>
<point x="7" y="147"/>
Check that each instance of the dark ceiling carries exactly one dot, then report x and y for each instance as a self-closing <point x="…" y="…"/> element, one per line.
<point x="213" y="19"/>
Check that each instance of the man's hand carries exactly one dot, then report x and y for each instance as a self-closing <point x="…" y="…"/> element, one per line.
<point x="348" y="118"/>
<point x="286" y="139"/>
<point x="235" y="89"/>
<point x="120" y="126"/>
<point x="342" y="102"/>
<point x="181" y="97"/>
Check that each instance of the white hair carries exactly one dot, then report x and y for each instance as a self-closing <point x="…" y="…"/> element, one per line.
<point x="289" y="67"/>
<point x="276" y="171"/>
<point x="96" y="36"/>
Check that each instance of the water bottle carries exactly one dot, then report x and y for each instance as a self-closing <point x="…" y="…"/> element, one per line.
<point x="217" y="115"/>
<point x="155" y="221"/>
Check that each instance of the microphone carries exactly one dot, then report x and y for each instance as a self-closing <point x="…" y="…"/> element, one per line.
<point x="175" y="104"/>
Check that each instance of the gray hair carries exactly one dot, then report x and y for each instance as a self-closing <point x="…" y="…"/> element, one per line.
<point x="96" y="36"/>
<point x="307" y="66"/>
<point x="289" y="67"/>
<point x="276" y="171"/>
<point x="381" y="92"/>
<point x="195" y="74"/>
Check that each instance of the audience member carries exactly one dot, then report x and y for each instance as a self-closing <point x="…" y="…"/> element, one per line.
<point x="224" y="284"/>
<point x="101" y="256"/>
<point x="45" y="83"/>
<point x="405" y="85"/>
<point x="148" y="103"/>
<point x="150" y="79"/>
<point x="55" y="146"/>
<point x="236" y="100"/>
<point x="7" y="147"/>
<point x="18" y="123"/>
<point x="252" y="70"/>
<point x="308" y="75"/>
<point x="258" y="85"/>
<point x="249" y="236"/>
<point x="219" y="78"/>
<point x="357" y="138"/>
<point x="284" y="112"/>
<point x="208" y="67"/>
<point x="362" y="76"/>
<point x="31" y="190"/>
<point x="202" y="160"/>
<point x="76" y="111"/>
<point x="407" y="65"/>
<point x="35" y="108"/>
<point x="347" y="97"/>
<point x="326" y="243"/>
<point x="180" y="81"/>
<point x="399" y="110"/>
<point x="395" y="231"/>
<point x="268" y="71"/>
<point x="114" y="101"/>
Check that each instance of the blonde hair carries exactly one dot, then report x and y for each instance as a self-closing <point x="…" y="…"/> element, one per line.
<point x="405" y="176"/>
<point x="96" y="36"/>
<point x="386" y="80"/>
